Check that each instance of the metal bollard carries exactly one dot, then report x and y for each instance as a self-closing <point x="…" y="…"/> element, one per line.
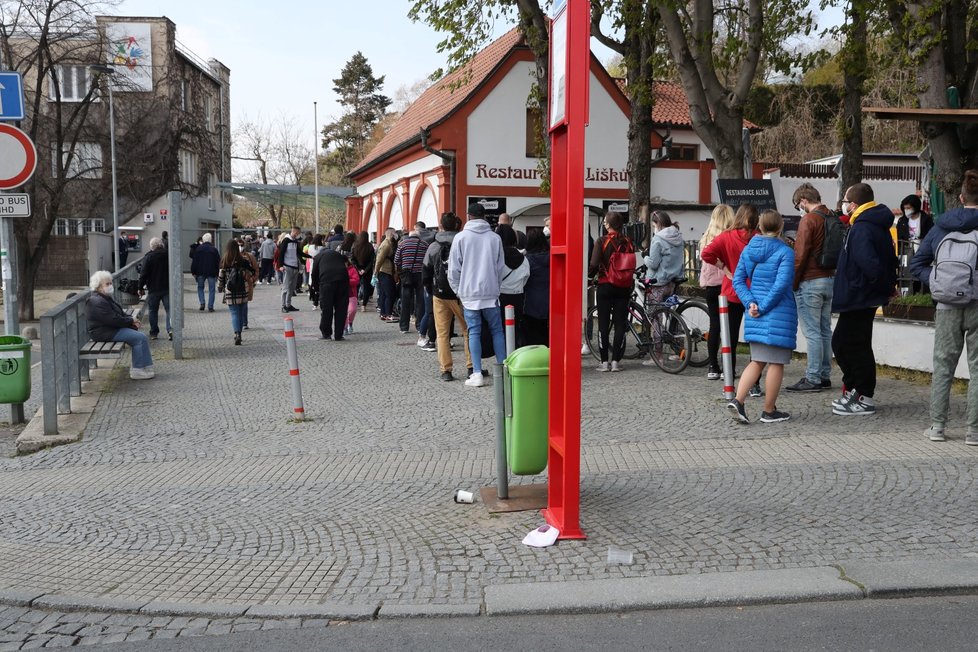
<point x="293" y="355"/>
<point x="726" y="353"/>
<point x="510" y="329"/>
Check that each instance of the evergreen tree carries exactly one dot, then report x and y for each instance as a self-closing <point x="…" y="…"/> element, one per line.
<point x="359" y="92"/>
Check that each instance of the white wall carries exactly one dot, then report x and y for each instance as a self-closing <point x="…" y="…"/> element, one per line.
<point x="428" y="209"/>
<point x="415" y="168"/>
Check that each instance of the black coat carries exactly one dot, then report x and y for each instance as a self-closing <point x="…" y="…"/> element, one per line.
<point x="155" y="276"/>
<point x="207" y="261"/>
<point x="105" y="317"/>
<point x="328" y="267"/>
<point x="903" y="226"/>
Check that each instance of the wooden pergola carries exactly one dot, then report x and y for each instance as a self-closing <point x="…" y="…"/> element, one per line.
<point x="923" y="115"/>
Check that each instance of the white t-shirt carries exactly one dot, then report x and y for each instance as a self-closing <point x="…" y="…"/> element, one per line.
<point x="914" y="224"/>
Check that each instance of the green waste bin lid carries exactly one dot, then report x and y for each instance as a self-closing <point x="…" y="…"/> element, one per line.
<point x="529" y="361"/>
<point x="14" y="342"/>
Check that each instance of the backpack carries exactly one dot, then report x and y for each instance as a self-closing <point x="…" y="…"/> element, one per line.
<point x="621" y="264"/>
<point x="833" y="240"/>
<point x="952" y="279"/>
<point x="235" y="283"/>
<point x="443" y="289"/>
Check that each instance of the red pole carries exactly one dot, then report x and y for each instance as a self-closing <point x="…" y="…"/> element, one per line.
<point x="570" y="55"/>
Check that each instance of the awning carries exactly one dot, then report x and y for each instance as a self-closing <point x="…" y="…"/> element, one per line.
<point x="291" y="196"/>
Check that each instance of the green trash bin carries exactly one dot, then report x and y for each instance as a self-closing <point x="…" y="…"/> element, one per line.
<point x="527" y="382"/>
<point x="15" y="369"/>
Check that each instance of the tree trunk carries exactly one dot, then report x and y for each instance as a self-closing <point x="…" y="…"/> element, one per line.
<point x="728" y="148"/>
<point x="639" y="45"/>
<point x="854" y="68"/>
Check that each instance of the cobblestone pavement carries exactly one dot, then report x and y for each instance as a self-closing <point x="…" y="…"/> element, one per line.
<point x="196" y="487"/>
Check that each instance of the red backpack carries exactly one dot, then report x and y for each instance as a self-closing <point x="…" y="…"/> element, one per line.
<point x="620" y="271"/>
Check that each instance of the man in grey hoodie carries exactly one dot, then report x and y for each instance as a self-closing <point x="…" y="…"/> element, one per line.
<point x="475" y="269"/>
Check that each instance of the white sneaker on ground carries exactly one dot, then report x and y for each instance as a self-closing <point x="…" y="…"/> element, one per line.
<point x="856" y="406"/>
<point x="847" y="396"/>
<point x="137" y="373"/>
<point x="603" y="367"/>
<point x="475" y="380"/>
<point x="422" y="340"/>
<point x="935" y="433"/>
<point x="616" y="366"/>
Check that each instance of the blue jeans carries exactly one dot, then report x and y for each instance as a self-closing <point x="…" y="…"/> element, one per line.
<point x="153" y="300"/>
<point x="139" y="343"/>
<point x="237" y="314"/>
<point x="386" y="287"/>
<point x="426" y="327"/>
<point x="814" y="300"/>
<point x="473" y="319"/>
<point x="211" y="286"/>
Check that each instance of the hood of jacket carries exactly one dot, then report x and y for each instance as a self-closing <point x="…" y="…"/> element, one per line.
<point x="513" y="257"/>
<point x="959" y="219"/>
<point x="477" y="226"/>
<point x="878" y="215"/>
<point x="671" y="235"/>
<point x="445" y="237"/>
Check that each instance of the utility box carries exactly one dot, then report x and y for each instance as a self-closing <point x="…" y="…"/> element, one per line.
<point x="15" y="369"/>
<point x="527" y="383"/>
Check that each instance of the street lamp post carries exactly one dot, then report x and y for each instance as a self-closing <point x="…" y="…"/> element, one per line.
<point x="109" y="70"/>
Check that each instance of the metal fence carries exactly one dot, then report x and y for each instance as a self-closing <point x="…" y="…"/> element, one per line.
<point x="64" y="330"/>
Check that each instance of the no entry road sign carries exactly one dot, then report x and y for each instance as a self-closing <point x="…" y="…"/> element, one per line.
<point x="18" y="157"/>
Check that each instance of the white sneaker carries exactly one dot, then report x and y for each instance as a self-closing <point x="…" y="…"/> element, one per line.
<point x="422" y="341"/>
<point x="603" y="367"/>
<point x="144" y="373"/>
<point x="616" y="366"/>
<point x="475" y="380"/>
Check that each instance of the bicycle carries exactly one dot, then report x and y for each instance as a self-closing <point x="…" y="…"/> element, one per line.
<point x="695" y="313"/>
<point x="656" y="331"/>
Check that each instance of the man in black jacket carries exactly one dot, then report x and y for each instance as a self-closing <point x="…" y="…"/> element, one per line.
<point x="331" y="281"/>
<point x="155" y="279"/>
<point x="207" y="262"/>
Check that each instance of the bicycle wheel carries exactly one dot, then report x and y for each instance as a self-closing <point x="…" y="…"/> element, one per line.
<point x="697" y="319"/>
<point x="670" y="344"/>
<point x="591" y="335"/>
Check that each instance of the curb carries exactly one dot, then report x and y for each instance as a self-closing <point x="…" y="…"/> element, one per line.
<point x="854" y="581"/>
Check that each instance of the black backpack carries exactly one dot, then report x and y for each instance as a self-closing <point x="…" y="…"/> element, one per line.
<point x="833" y="240"/>
<point x="443" y="289"/>
<point x="236" y="280"/>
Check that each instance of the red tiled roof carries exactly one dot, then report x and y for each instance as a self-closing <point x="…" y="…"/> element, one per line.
<point x="671" y="107"/>
<point x="440" y="100"/>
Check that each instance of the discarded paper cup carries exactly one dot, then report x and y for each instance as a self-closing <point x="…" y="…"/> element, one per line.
<point x="462" y="496"/>
<point x="618" y="556"/>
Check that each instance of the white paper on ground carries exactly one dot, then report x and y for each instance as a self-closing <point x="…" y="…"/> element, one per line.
<point x="543" y="536"/>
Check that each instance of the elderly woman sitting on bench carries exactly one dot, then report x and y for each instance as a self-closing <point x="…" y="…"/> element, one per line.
<point x="108" y="322"/>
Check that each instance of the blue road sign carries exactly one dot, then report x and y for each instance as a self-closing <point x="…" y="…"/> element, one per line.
<point x="11" y="96"/>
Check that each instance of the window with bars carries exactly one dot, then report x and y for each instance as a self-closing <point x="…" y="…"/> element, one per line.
<point x="64" y="226"/>
<point x="73" y="82"/>
<point x="85" y="161"/>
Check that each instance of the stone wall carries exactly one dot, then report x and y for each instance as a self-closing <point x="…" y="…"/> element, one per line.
<point x="65" y="262"/>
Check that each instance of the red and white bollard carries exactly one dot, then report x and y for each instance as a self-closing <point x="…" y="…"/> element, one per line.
<point x="726" y="352"/>
<point x="299" y="412"/>
<point x="510" y="324"/>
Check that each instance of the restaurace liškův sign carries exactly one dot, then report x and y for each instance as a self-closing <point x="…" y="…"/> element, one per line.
<point x="483" y="171"/>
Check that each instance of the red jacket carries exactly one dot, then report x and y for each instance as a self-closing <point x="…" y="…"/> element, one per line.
<point x="726" y="249"/>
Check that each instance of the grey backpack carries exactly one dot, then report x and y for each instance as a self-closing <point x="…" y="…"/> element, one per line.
<point x="953" y="280"/>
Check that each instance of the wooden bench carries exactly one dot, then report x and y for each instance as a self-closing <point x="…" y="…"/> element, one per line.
<point x="105" y="350"/>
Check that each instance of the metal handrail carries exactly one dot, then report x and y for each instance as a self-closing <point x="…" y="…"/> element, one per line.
<point x="64" y="330"/>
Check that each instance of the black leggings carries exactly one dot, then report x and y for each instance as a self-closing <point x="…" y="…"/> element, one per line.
<point x="612" y="311"/>
<point x="735" y="312"/>
<point x="713" y="343"/>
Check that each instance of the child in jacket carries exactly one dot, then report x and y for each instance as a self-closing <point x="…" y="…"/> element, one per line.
<point x="771" y="320"/>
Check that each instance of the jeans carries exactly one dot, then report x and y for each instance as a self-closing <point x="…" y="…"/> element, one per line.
<point x="952" y="329"/>
<point x="444" y="310"/>
<point x="288" y="285"/>
<point x="473" y="319"/>
<point x="852" y="343"/>
<point x="211" y="288"/>
<point x="153" y="300"/>
<point x="385" y="285"/>
<point x="244" y="314"/>
<point x="612" y="310"/>
<point x="426" y="327"/>
<point x="139" y="343"/>
<point x="814" y="300"/>
<point x="412" y="300"/>
<point x="237" y="314"/>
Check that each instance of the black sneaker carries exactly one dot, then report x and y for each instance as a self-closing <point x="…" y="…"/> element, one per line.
<point x="756" y="391"/>
<point x="804" y="386"/>
<point x="429" y="346"/>
<point x="774" y="417"/>
<point x="169" y="335"/>
<point x="468" y="371"/>
<point x="826" y="383"/>
<point x="447" y="376"/>
<point x="201" y="307"/>
<point x="737" y="411"/>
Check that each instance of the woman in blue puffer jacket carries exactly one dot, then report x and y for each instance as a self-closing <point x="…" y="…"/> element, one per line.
<point x="772" y="319"/>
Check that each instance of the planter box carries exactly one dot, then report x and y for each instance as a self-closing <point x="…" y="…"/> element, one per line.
<point x="909" y="312"/>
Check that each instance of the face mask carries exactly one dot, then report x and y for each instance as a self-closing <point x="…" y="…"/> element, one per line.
<point x="109" y="289"/>
<point x="546" y="231"/>
<point x="908" y="212"/>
